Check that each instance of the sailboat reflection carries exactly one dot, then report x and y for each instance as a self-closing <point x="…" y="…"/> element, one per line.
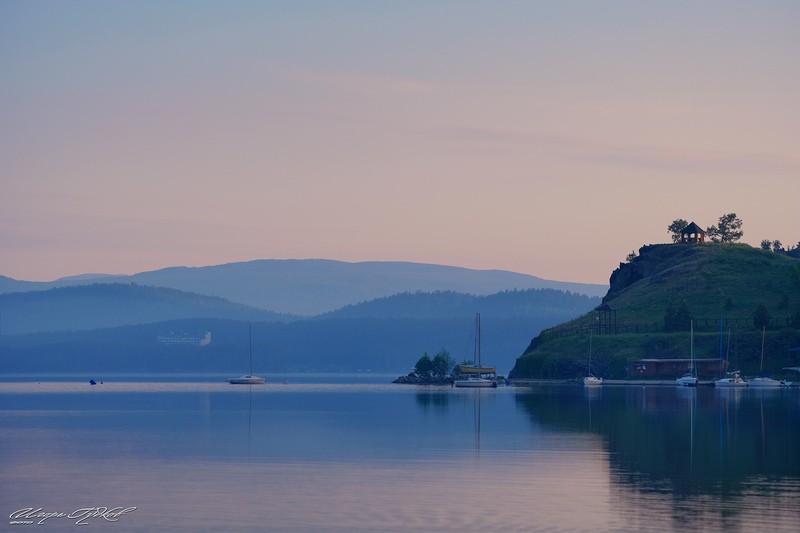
<point x="478" y="397"/>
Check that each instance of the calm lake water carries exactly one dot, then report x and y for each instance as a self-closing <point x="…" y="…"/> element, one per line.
<point x="354" y="453"/>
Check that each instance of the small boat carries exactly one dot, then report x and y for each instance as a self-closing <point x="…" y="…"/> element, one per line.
<point x="246" y="380"/>
<point x="734" y="379"/>
<point x="690" y="378"/>
<point x="591" y="380"/>
<point x="476" y="376"/>
<point x="249" y="379"/>
<point x="762" y="380"/>
<point x="765" y="382"/>
<point x="476" y="381"/>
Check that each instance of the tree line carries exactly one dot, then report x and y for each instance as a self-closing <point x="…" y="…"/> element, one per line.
<point x="729" y="229"/>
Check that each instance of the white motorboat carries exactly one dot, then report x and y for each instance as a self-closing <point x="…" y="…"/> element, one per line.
<point x="734" y="379"/>
<point x="765" y="382"/>
<point x="590" y="381"/>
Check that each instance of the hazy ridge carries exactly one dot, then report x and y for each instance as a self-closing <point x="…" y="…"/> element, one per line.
<point x="314" y="286"/>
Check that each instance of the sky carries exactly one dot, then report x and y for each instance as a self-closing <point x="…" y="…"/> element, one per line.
<point x="550" y="138"/>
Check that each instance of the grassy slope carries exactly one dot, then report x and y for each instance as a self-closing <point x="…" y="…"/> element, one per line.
<point x="714" y="280"/>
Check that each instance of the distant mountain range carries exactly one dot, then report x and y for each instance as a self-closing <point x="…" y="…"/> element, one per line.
<point x="306" y="315"/>
<point x="310" y="287"/>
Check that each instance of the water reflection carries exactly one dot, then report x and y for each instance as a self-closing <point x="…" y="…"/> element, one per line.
<point x="342" y="457"/>
<point x="713" y="451"/>
<point x="438" y="398"/>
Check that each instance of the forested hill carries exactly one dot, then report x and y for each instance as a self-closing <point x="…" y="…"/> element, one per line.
<point x="102" y="305"/>
<point x="654" y="298"/>
<point x="531" y="303"/>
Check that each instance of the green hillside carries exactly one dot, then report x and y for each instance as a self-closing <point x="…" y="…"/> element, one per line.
<point x="654" y="298"/>
<point x="105" y="305"/>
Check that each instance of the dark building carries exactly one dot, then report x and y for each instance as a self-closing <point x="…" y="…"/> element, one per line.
<point x="692" y="234"/>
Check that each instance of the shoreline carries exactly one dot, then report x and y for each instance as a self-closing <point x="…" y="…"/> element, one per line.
<point x="624" y="382"/>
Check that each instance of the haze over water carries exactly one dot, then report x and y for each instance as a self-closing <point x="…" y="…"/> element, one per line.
<point x="352" y="453"/>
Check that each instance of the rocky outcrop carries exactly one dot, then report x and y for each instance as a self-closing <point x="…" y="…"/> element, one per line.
<point x="414" y="379"/>
<point x="652" y="259"/>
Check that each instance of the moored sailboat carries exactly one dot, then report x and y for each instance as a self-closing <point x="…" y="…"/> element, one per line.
<point x="762" y="380"/>
<point x="731" y="379"/>
<point x="249" y="379"/>
<point x="477" y="375"/>
<point x="690" y="378"/>
<point x="591" y="380"/>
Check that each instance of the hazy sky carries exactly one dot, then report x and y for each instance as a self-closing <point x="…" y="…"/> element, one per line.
<point x="545" y="137"/>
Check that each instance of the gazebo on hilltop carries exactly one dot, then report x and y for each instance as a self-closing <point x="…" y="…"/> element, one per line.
<point x="692" y="234"/>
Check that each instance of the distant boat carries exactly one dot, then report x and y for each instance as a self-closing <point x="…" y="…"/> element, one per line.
<point x="690" y="378"/>
<point x="734" y="379"/>
<point x="591" y="380"/>
<point x="249" y="379"/>
<point x="762" y="380"/>
<point x="477" y="376"/>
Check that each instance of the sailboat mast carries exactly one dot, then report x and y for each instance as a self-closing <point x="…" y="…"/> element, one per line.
<point x="763" y="333"/>
<point x="478" y="338"/>
<point x="691" y="347"/>
<point x="250" y="334"/>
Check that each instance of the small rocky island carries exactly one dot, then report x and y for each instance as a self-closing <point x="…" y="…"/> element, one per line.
<point x="437" y="370"/>
<point x="412" y="378"/>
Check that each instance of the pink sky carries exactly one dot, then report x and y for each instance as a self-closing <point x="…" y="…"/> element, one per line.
<point x="549" y="138"/>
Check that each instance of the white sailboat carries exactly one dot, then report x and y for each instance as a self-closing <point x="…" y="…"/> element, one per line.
<point x="762" y="380"/>
<point x="477" y="375"/>
<point x="249" y="379"/>
<point x="732" y="379"/>
<point x="690" y="378"/>
<point x="591" y="380"/>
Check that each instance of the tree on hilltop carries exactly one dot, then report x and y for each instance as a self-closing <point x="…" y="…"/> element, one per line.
<point x="728" y="229"/>
<point x="675" y="229"/>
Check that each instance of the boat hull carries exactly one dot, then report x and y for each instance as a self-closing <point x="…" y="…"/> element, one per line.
<point x="687" y="381"/>
<point x="475" y="383"/>
<point x="729" y="383"/>
<point x="592" y="381"/>
<point x="765" y="382"/>
<point x="246" y="380"/>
